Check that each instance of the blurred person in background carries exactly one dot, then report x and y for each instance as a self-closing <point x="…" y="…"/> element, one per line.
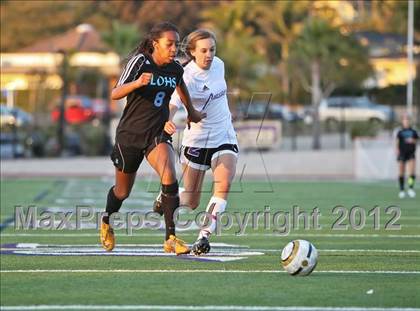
<point x="406" y="156"/>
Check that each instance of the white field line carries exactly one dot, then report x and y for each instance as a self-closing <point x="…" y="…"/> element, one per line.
<point x="156" y="245"/>
<point x="202" y="271"/>
<point x="220" y="308"/>
<point x="216" y="245"/>
<point x="82" y="246"/>
<point x="320" y="235"/>
<point x="402" y="251"/>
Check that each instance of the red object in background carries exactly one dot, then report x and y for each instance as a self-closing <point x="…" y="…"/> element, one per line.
<point x="73" y="114"/>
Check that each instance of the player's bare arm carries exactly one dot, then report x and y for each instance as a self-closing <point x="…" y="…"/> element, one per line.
<point x="123" y="90"/>
<point x="193" y="115"/>
<point x="172" y="111"/>
<point x="170" y="126"/>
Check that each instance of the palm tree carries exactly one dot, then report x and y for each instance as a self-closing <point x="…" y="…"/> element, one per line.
<point x="330" y="59"/>
<point x="280" y="22"/>
<point x="122" y="38"/>
<point x="235" y="29"/>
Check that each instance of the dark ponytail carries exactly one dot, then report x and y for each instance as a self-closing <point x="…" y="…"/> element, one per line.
<point x="145" y="46"/>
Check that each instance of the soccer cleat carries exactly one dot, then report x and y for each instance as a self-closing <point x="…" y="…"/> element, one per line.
<point x="401" y="195"/>
<point x="157" y="205"/>
<point x="411" y="193"/>
<point x="175" y="245"/>
<point x="201" y="246"/>
<point x="107" y="237"/>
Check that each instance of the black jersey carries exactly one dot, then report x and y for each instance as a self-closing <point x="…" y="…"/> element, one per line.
<point x="147" y="107"/>
<point x="404" y="136"/>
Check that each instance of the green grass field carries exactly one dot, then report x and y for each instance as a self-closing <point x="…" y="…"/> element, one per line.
<point x="366" y="268"/>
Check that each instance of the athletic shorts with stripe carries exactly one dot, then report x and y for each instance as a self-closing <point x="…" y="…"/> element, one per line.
<point x="406" y="156"/>
<point x="201" y="158"/>
<point x="128" y="158"/>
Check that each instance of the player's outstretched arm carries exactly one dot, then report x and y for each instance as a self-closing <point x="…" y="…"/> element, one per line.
<point x="172" y="110"/>
<point x="123" y="90"/>
<point x="170" y="126"/>
<point x="193" y="115"/>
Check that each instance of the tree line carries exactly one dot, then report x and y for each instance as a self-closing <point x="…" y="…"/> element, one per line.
<point x="299" y="51"/>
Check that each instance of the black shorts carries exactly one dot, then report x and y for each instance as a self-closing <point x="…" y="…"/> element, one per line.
<point x="200" y="158"/>
<point x="128" y="158"/>
<point x="406" y="156"/>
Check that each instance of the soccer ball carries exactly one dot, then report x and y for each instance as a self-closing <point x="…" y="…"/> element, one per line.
<point x="299" y="257"/>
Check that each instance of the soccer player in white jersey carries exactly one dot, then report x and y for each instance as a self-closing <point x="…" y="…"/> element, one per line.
<point x="210" y="143"/>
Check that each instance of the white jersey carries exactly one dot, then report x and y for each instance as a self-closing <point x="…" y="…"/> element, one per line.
<point x="208" y="91"/>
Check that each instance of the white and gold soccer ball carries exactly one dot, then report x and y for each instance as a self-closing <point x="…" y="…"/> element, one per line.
<point x="299" y="257"/>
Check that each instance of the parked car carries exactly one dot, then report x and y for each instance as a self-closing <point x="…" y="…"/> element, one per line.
<point x="272" y="111"/>
<point x="100" y="107"/>
<point x="11" y="147"/>
<point x="14" y="116"/>
<point x="349" y="108"/>
<point x="78" y="109"/>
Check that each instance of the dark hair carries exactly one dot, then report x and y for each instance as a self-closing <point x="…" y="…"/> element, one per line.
<point x="146" y="45"/>
<point x="190" y="41"/>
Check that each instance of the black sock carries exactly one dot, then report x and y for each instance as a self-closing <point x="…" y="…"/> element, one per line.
<point x="113" y="205"/>
<point x="401" y="180"/>
<point x="170" y="202"/>
<point x="411" y="181"/>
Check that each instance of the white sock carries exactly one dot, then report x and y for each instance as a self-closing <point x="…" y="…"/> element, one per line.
<point x="215" y="206"/>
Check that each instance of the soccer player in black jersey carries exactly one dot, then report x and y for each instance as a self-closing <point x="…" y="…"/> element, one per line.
<point x="148" y="80"/>
<point x="406" y="154"/>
